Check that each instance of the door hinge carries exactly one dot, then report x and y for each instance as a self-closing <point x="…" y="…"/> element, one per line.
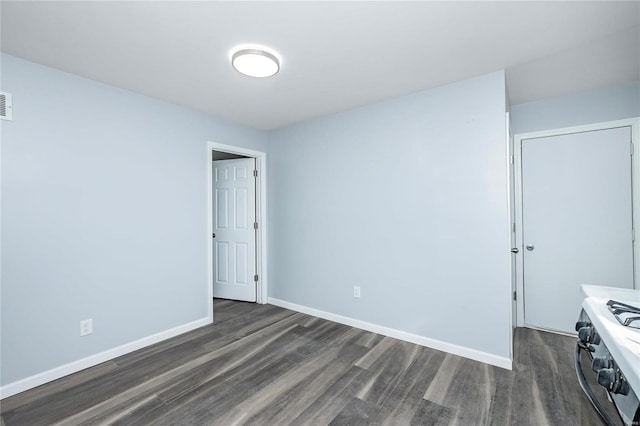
<point x="255" y="278"/>
<point x="255" y="225"/>
<point x="515" y="296"/>
<point x="513" y="227"/>
<point x="255" y="173"/>
<point x="633" y="235"/>
<point x="511" y="159"/>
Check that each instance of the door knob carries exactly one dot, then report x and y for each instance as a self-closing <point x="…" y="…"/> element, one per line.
<point x="515" y="250"/>
<point x="530" y="247"/>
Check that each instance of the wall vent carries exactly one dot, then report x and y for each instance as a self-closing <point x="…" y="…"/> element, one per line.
<point x="5" y="106"/>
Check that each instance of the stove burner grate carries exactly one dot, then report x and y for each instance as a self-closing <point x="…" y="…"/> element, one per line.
<point x="627" y="315"/>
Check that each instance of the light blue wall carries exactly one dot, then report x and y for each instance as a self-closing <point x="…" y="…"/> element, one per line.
<point x="408" y="200"/>
<point x="609" y="104"/>
<point x="103" y="216"/>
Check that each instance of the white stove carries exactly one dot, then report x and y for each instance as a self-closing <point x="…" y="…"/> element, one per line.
<point x="609" y="332"/>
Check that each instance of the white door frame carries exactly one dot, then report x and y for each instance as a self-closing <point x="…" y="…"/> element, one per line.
<point x="261" y="216"/>
<point x="635" y="188"/>
<point x="511" y="200"/>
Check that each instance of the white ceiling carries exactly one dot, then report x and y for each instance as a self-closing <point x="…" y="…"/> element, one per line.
<point x="335" y="55"/>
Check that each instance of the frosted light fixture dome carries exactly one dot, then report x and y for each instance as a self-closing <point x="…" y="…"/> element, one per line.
<point x="255" y="62"/>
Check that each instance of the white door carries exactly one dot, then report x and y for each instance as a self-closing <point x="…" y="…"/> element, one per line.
<point x="234" y="236"/>
<point x="577" y="221"/>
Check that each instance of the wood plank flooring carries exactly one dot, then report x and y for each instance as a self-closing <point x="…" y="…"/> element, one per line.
<point x="264" y="365"/>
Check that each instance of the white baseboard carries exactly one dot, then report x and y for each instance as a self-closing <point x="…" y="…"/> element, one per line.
<point x="75" y="366"/>
<point x="462" y="351"/>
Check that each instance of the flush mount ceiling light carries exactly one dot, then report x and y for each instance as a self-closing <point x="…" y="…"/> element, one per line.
<point x="255" y="62"/>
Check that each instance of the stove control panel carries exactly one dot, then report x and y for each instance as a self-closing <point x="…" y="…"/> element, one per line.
<point x="608" y="374"/>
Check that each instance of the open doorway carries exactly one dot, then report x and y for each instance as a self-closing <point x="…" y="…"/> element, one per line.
<point x="236" y="199"/>
<point x="235" y="227"/>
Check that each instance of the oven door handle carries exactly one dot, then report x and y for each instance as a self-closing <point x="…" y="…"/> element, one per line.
<point x="588" y="391"/>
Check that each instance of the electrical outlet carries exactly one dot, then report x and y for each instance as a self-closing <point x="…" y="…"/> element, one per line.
<point x="86" y="327"/>
<point x="356" y="291"/>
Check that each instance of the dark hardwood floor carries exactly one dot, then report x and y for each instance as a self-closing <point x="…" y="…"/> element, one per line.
<point x="264" y="365"/>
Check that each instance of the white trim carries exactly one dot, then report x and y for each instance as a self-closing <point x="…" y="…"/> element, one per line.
<point x="510" y="214"/>
<point x="517" y="163"/>
<point x="92" y="360"/>
<point x="261" y="244"/>
<point x="634" y="123"/>
<point x="462" y="351"/>
<point x="546" y="330"/>
<point x="635" y="188"/>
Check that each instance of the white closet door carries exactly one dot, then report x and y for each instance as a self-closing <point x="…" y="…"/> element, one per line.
<point x="577" y="221"/>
